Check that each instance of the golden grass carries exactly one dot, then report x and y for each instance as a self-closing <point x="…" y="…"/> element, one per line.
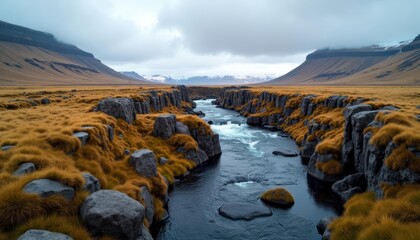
<point x="395" y="217"/>
<point x="183" y="140"/>
<point x="331" y="167"/>
<point x="43" y="135"/>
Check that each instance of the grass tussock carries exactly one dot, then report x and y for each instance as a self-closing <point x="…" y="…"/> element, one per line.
<point x="195" y="123"/>
<point x="331" y="167"/>
<point x="183" y="140"/>
<point x="395" y="217"/>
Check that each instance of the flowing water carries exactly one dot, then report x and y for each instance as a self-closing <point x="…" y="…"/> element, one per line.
<point x="246" y="168"/>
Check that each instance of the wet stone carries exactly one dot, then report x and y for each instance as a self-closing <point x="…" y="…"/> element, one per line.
<point x="246" y="211"/>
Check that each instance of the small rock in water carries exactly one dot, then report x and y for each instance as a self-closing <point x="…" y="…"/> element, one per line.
<point x="286" y="153"/>
<point x="210" y="122"/>
<point x="285" y="135"/>
<point x="246" y="211"/>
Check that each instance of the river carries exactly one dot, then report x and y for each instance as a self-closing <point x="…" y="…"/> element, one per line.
<point x="246" y="168"/>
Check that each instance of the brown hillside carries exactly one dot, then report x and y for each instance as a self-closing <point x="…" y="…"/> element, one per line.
<point x="401" y="69"/>
<point x="29" y="65"/>
<point x="322" y="66"/>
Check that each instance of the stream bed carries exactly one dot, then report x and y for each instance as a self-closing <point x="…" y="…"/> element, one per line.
<point x="245" y="169"/>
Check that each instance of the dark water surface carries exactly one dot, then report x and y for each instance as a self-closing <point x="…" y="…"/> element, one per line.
<point x="246" y="168"/>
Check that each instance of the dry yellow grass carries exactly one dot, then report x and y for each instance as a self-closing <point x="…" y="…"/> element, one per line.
<point x="43" y="135"/>
<point x="395" y="217"/>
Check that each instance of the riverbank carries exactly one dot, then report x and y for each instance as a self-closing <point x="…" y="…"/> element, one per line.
<point x="63" y="152"/>
<point x="357" y="142"/>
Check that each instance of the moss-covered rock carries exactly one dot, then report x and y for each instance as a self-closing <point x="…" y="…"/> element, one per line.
<point x="278" y="197"/>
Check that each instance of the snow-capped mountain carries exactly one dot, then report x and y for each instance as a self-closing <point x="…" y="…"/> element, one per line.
<point x="206" y="80"/>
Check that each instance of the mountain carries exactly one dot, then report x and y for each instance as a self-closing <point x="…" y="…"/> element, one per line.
<point x="203" y="80"/>
<point x="30" y="57"/>
<point x="326" y="65"/>
<point x="134" y="75"/>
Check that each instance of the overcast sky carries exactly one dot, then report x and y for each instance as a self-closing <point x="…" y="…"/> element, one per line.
<point x="215" y="37"/>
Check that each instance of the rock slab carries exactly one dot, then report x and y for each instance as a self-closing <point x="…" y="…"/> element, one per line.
<point x="286" y="153"/>
<point x="122" y="108"/>
<point x="144" y="162"/>
<point x="246" y="211"/>
<point x="48" y="187"/>
<point x="109" y="212"/>
<point x="25" y="168"/>
<point x="92" y="184"/>
<point x="164" y="126"/>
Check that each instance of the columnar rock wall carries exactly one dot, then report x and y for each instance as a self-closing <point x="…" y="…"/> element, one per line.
<point x="350" y="154"/>
<point x="155" y="100"/>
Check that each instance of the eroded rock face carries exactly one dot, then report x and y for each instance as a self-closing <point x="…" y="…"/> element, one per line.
<point x="217" y="150"/>
<point x="144" y="162"/>
<point x="246" y="211"/>
<point x="119" y="108"/>
<point x="35" y="234"/>
<point x="318" y="174"/>
<point x="92" y="184"/>
<point x="182" y="128"/>
<point x="48" y="187"/>
<point x="113" y="213"/>
<point x="164" y="126"/>
<point x="199" y="156"/>
<point x="253" y="120"/>
<point x="350" y="185"/>
<point x="323" y="223"/>
<point x="148" y="204"/>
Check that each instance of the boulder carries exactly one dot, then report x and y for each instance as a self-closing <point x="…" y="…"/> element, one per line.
<point x="217" y="150"/>
<point x="48" y="187"/>
<point x="145" y="234"/>
<point x="253" y="120"/>
<point x="282" y="134"/>
<point x="182" y="128"/>
<point x="147" y="200"/>
<point x="198" y="156"/>
<point x="109" y="212"/>
<point x="278" y="197"/>
<point x="163" y="160"/>
<point x="45" y="101"/>
<point x="246" y="211"/>
<point x="164" y="126"/>
<point x="286" y="153"/>
<point x="36" y="234"/>
<point x="144" y="161"/>
<point x="25" y="168"/>
<point x="82" y="136"/>
<point x="119" y="108"/>
<point x="92" y="184"/>
<point x="350" y="185"/>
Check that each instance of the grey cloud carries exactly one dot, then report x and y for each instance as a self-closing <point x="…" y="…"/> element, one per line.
<point x="286" y="27"/>
<point x="91" y="26"/>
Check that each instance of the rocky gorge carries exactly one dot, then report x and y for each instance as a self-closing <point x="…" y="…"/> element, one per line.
<point x="351" y="144"/>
